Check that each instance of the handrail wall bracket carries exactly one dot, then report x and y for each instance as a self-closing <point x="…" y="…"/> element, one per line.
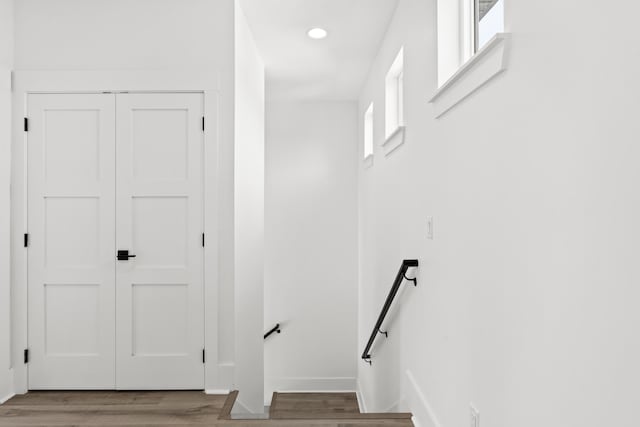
<point x="411" y="279"/>
<point x="274" y="329"/>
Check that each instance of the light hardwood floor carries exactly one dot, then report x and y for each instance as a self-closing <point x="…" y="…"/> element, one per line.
<point x="184" y="408"/>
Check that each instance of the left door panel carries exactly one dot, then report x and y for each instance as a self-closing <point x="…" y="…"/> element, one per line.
<point x="71" y="221"/>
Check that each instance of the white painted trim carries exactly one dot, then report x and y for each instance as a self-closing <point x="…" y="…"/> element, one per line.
<point x="5" y="232"/>
<point x="368" y="161"/>
<point x="95" y="81"/>
<point x="395" y="407"/>
<point x="90" y="81"/>
<point x="362" y="405"/>
<point x="221" y="392"/>
<point x="6" y="398"/>
<point x="423" y="413"/>
<point x="11" y="389"/>
<point x="324" y="390"/>
<point x="394" y="95"/>
<point x="212" y="183"/>
<point x="484" y="66"/>
<point x="239" y="407"/>
<point x="240" y="411"/>
<point x="394" y="140"/>
<point x="311" y="384"/>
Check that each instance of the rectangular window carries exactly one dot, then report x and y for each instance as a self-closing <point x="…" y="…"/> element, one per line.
<point x="489" y="21"/>
<point x="394" y="96"/>
<point x="464" y="28"/>
<point x="401" y="98"/>
<point x="368" y="131"/>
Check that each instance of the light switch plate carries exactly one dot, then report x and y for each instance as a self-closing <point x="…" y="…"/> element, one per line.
<point x="430" y="227"/>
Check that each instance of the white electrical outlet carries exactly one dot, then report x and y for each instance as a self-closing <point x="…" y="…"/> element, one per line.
<point x="430" y="227"/>
<point x="474" y="420"/>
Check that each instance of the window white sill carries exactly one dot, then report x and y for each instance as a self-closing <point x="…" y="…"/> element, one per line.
<point x="394" y="140"/>
<point x="368" y="161"/>
<point x="484" y="66"/>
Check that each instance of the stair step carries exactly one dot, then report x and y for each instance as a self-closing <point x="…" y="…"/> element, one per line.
<point x="315" y="410"/>
<point x="290" y="406"/>
<point x="324" y="406"/>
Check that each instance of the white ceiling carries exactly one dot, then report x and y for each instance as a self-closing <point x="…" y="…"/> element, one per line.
<point x="335" y="68"/>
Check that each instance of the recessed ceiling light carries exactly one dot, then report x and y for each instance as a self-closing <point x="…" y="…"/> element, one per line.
<point x="317" y="33"/>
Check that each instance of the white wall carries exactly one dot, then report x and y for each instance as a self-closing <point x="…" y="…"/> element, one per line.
<point x="249" y="217"/>
<point x="311" y="245"/>
<point x="6" y="64"/>
<point x="120" y="34"/>
<point x="526" y="303"/>
<point x="153" y="35"/>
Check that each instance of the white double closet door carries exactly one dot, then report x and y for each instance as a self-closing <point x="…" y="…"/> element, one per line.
<point x="108" y="173"/>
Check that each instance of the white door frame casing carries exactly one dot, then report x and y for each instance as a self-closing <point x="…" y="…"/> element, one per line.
<point x="29" y="82"/>
<point x="6" y="373"/>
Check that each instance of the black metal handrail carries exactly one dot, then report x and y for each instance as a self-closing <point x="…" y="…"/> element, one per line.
<point x="274" y="329"/>
<point x="402" y="275"/>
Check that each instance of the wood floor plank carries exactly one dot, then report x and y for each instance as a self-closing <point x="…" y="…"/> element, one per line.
<point x="112" y="415"/>
<point x="182" y="409"/>
<point x="35" y="398"/>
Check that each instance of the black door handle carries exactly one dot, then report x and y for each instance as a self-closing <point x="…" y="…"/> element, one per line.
<point x="124" y="255"/>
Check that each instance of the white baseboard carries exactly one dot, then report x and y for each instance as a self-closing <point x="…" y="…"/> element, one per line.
<point x="362" y="405"/>
<point x="396" y="407"/>
<point x="4" y="399"/>
<point x="10" y="388"/>
<point x="240" y="411"/>
<point x="423" y="414"/>
<point x="239" y="408"/>
<point x="301" y="384"/>
<point x="217" y="392"/>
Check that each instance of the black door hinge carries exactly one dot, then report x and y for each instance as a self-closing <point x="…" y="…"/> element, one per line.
<point x="203" y="240"/>
<point x="26" y="124"/>
<point x="202" y="123"/>
<point x="26" y="356"/>
<point x="203" y="356"/>
<point x="26" y="240"/>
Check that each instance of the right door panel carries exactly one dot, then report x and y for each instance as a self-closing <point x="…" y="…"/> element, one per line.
<point x="159" y="292"/>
